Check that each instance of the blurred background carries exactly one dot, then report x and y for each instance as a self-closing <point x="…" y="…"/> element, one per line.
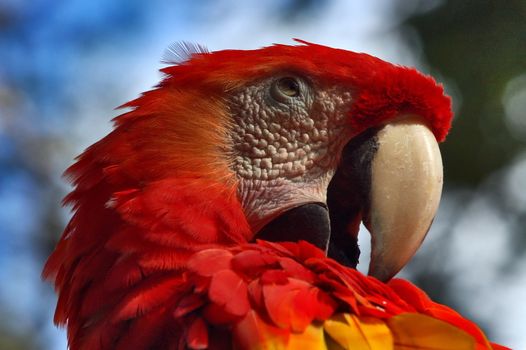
<point x="64" y="66"/>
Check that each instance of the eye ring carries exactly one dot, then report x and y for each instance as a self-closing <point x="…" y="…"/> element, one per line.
<point x="286" y="88"/>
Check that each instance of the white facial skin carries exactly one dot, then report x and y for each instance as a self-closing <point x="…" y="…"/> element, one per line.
<point x="287" y="138"/>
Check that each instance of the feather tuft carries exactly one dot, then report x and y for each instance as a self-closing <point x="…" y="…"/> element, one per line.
<point x="182" y="51"/>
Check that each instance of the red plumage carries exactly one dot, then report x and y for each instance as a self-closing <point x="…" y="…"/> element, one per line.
<point x="157" y="253"/>
<point x="297" y="285"/>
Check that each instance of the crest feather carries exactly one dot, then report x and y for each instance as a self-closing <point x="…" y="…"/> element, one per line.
<point x="181" y="51"/>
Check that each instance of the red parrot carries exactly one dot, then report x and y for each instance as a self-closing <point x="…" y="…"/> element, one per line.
<point x="222" y="211"/>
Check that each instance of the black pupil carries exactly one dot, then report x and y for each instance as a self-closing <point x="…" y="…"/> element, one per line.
<point x="289" y="87"/>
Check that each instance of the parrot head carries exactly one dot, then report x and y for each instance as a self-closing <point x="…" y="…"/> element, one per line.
<point x="316" y="140"/>
<point x="176" y="212"/>
<point x="284" y="143"/>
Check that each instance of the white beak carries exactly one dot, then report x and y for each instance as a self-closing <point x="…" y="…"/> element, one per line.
<point x="406" y="185"/>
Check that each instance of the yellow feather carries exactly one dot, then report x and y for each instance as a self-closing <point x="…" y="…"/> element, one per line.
<point x="311" y="338"/>
<point x="359" y="333"/>
<point x="415" y="331"/>
<point x="343" y="331"/>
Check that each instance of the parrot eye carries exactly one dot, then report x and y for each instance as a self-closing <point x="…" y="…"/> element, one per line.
<point x="285" y="88"/>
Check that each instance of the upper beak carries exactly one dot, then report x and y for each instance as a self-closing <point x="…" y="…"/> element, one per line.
<point x="406" y="185"/>
<point x="391" y="179"/>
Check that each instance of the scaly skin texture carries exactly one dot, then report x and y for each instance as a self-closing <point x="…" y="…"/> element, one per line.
<point x="286" y="151"/>
<point x="157" y="253"/>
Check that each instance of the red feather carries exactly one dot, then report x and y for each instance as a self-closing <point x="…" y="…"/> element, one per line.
<point x="229" y="291"/>
<point x="156" y="254"/>
<point x="197" y="336"/>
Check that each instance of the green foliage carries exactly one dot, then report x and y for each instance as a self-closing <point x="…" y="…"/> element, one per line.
<point x="480" y="46"/>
